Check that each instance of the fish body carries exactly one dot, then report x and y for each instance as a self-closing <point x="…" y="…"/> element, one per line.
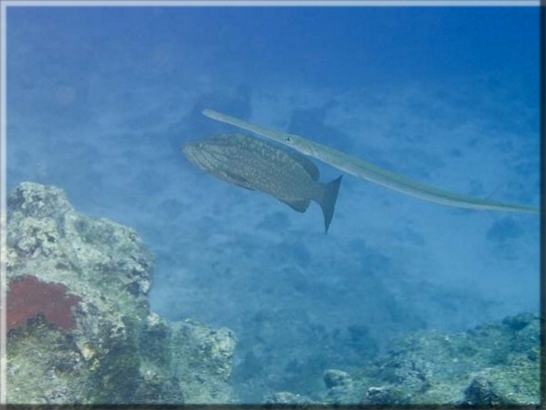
<point x="370" y="172"/>
<point x="258" y="165"/>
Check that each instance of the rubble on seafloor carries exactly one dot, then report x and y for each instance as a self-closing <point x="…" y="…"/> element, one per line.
<point x="80" y="331"/>
<point x="79" y="326"/>
<point x="494" y="364"/>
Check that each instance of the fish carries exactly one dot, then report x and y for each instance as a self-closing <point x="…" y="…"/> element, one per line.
<point x="368" y="171"/>
<point x="258" y="165"/>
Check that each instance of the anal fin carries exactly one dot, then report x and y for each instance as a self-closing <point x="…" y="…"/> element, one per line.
<point x="299" y="205"/>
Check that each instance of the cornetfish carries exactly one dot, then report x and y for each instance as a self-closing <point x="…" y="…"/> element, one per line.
<point x="367" y="171"/>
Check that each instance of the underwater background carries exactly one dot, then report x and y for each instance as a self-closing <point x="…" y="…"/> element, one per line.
<point x="101" y="98"/>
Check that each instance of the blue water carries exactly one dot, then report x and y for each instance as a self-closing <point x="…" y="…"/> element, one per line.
<point x="100" y="99"/>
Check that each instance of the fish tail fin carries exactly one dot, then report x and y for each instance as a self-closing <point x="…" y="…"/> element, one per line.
<point x="328" y="200"/>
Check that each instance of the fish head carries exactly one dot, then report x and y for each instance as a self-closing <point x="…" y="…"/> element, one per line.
<point x="211" y="143"/>
<point x="194" y="151"/>
<point x="210" y="153"/>
<point x="190" y="147"/>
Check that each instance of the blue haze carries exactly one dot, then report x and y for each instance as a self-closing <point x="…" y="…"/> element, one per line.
<point x="100" y="99"/>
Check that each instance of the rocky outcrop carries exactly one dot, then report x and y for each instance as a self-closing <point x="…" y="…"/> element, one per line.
<point x="492" y="364"/>
<point x="80" y="328"/>
<point x="80" y="331"/>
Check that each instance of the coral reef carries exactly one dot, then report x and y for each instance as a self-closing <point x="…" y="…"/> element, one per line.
<point x="80" y="326"/>
<point x="81" y="331"/>
<point x="284" y="398"/>
<point x="493" y="364"/>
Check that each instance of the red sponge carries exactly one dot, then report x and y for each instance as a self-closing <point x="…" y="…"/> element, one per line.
<point x="28" y="297"/>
